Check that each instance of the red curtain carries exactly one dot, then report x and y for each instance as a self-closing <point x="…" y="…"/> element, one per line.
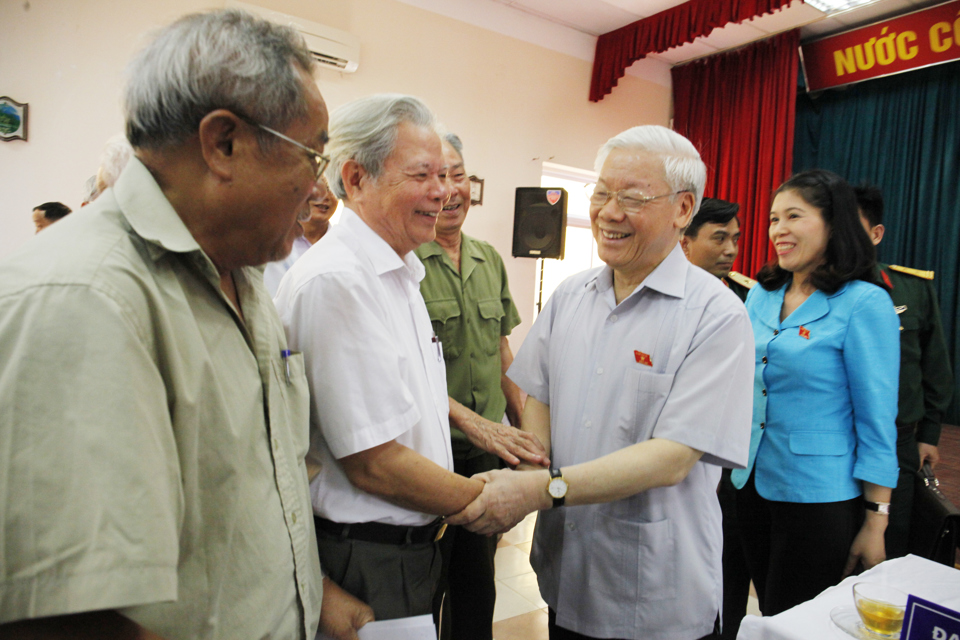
<point x="679" y="25"/>
<point x="738" y="109"/>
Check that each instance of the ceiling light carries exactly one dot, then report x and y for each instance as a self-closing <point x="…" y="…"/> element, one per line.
<point x="834" y="6"/>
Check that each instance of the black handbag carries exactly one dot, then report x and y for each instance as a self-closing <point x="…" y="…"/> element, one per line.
<point x="935" y="526"/>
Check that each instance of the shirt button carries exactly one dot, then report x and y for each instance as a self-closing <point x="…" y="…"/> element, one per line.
<point x="613" y="318"/>
<point x="764" y="360"/>
<point x="276" y="444"/>
<point x="571" y="526"/>
<point x="761" y="425"/>
<point x="293" y="517"/>
<point x="764" y="392"/>
<point x="599" y="371"/>
<point x="588" y="424"/>
<point x="776" y="331"/>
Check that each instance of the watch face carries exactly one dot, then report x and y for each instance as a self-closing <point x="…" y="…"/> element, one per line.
<point x="557" y="487"/>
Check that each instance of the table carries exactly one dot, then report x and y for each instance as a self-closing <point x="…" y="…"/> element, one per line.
<point x="918" y="576"/>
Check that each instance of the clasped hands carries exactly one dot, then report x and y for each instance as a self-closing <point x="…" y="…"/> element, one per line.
<point x="507" y="497"/>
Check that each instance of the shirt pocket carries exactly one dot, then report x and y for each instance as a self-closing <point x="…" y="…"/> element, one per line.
<point x="491" y="314"/>
<point x="446" y="317"/>
<point x="633" y="562"/>
<point x="821" y="443"/>
<point x="290" y="403"/>
<point x="644" y="395"/>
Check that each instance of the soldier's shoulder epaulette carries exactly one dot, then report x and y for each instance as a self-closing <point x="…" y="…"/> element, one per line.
<point x="742" y="280"/>
<point x="926" y="275"/>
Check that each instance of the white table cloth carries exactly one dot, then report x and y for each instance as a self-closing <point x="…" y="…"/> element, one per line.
<point x="925" y="579"/>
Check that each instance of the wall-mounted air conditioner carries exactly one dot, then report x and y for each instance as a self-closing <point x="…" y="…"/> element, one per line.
<point x="332" y="48"/>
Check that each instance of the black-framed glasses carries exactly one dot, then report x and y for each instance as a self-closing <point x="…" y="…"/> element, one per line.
<point x="319" y="161"/>
<point x="629" y="200"/>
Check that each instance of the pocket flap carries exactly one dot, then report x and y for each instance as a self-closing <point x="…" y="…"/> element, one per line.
<point x="821" y="443"/>
<point x="443" y="310"/>
<point x="490" y="309"/>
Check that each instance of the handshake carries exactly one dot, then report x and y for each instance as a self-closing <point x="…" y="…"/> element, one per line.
<point x="507" y="497"/>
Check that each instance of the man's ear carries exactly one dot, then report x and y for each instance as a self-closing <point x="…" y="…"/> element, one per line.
<point x="685" y="245"/>
<point x="876" y="234"/>
<point x="355" y="178"/>
<point x="221" y="138"/>
<point x="685" y="214"/>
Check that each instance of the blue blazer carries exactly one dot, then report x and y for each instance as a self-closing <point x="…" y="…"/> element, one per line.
<point x="825" y="394"/>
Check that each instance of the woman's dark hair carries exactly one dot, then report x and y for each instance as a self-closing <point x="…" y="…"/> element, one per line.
<point x="850" y="254"/>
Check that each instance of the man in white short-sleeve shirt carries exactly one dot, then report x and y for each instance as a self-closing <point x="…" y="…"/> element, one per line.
<point x="639" y="374"/>
<point x="352" y="305"/>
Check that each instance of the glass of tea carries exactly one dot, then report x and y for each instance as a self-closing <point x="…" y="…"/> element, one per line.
<point x="881" y="608"/>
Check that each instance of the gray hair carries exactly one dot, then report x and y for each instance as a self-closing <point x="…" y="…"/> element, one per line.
<point x="682" y="167"/>
<point x="90" y="190"/>
<point x="454" y="141"/>
<point x="116" y="154"/>
<point x="224" y="59"/>
<point x="365" y="131"/>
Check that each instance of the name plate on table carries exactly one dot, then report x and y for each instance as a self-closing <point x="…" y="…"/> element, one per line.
<point x="925" y="620"/>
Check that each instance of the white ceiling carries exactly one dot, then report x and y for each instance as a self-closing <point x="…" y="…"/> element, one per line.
<point x="572" y="26"/>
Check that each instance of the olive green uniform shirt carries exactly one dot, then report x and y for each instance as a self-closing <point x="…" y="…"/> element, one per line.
<point x="151" y="447"/>
<point x="470" y="310"/>
<point x="739" y="284"/>
<point x="926" y="382"/>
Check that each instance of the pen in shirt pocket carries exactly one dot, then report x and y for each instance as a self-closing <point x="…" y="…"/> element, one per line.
<point x="435" y="340"/>
<point x="285" y="354"/>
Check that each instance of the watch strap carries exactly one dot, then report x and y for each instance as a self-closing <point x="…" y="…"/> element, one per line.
<point x="880" y="507"/>
<point x="555" y="473"/>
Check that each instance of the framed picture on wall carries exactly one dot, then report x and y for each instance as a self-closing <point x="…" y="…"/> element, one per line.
<point x="476" y="190"/>
<point x="13" y="119"/>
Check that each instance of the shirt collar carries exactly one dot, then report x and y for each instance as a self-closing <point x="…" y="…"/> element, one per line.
<point x="149" y="212"/>
<point x="380" y="254"/>
<point x="669" y="277"/>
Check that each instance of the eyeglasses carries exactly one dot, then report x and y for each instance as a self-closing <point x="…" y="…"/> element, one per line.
<point x="318" y="160"/>
<point x="628" y="200"/>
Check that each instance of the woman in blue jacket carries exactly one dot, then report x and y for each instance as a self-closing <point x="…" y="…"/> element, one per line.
<point x="813" y="499"/>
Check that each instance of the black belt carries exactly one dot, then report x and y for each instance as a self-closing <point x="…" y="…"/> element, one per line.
<point x="907" y="426"/>
<point x="380" y="532"/>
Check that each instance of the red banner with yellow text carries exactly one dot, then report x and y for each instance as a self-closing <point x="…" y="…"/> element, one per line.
<point x="918" y="39"/>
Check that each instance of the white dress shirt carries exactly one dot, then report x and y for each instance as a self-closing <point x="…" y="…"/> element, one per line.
<point x="674" y="360"/>
<point x="376" y="374"/>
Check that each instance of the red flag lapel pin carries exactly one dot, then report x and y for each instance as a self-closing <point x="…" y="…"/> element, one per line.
<point x="804" y="332"/>
<point x="643" y="358"/>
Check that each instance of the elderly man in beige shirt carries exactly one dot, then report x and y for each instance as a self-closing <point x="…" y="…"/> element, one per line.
<point x="153" y="424"/>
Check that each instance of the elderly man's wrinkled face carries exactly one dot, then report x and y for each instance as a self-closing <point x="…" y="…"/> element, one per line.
<point x="633" y="244"/>
<point x="322" y="208"/>
<point x="715" y="247"/>
<point x="282" y="181"/>
<point x="455" y="211"/>
<point x="403" y="202"/>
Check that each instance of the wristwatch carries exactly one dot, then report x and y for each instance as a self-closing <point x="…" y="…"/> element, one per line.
<point x="882" y="508"/>
<point x="557" y="487"/>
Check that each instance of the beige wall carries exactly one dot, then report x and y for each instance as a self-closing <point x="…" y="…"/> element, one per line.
<point x="514" y="104"/>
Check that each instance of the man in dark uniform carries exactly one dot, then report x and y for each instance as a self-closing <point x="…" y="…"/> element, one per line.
<point x="926" y="382"/>
<point x="711" y="242"/>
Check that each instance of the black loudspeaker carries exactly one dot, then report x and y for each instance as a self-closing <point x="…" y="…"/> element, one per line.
<point x="539" y="222"/>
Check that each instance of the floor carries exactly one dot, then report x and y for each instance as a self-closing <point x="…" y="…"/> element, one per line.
<point x="521" y="614"/>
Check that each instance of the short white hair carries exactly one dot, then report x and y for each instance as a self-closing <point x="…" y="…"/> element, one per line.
<point x="222" y="59"/>
<point x="682" y="167"/>
<point x="365" y="131"/>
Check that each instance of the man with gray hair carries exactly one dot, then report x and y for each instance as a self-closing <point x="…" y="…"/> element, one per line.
<point x="352" y="305"/>
<point x="153" y="446"/>
<point x="639" y="379"/>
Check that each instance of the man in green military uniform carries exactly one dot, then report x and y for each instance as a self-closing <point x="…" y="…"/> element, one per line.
<point x="465" y="288"/>
<point x="926" y="382"/>
<point x="710" y="242"/>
